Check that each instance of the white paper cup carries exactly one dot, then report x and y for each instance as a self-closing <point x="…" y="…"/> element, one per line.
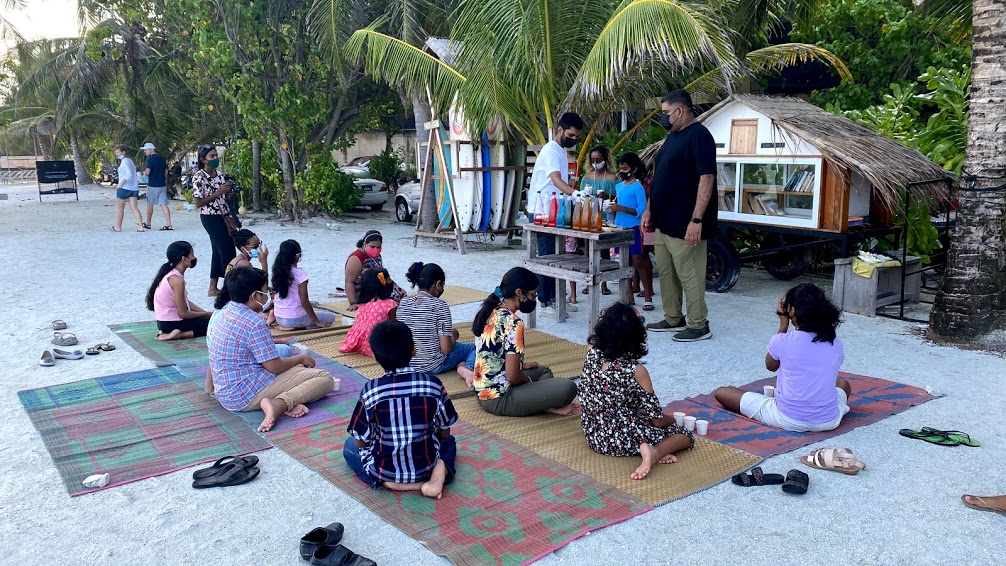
<point x="679" y="419"/>
<point x="701" y="427"/>
<point x="689" y="423"/>
<point x="769" y="390"/>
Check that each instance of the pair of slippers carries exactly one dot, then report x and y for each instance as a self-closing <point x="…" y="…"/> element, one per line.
<point x="940" y="437"/>
<point x="795" y="482"/>
<point x="227" y="471"/>
<point x="321" y="546"/>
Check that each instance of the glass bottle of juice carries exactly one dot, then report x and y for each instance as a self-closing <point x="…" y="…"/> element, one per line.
<point x="598" y="224"/>
<point x="553" y="209"/>
<point x="560" y="218"/>
<point x="577" y="213"/>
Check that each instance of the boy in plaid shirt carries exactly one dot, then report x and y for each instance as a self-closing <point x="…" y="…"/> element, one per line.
<point x="400" y="433"/>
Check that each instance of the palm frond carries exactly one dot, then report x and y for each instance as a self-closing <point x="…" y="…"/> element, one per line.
<point x="952" y="15"/>
<point x="326" y="21"/>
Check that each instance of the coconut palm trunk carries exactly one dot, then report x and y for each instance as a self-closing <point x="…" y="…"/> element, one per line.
<point x="972" y="297"/>
<point x="256" y="175"/>
<point x="83" y="177"/>
<point x="421" y="110"/>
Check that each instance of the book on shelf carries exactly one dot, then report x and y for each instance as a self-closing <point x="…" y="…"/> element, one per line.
<point x="807" y="185"/>
<point x="770" y="206"/>
<point x="856" y="221"/>
<point x="794" y="181"/>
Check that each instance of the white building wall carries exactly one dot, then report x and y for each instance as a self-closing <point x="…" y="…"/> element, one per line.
<point x="373" y="143"/>
<point x="719" y="125"/>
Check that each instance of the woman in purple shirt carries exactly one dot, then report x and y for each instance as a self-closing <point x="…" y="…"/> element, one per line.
<point x="809" y="395"/>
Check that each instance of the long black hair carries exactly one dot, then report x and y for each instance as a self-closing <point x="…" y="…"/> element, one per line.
<point x="377" y="284"/>
<point x="635" y="165"/>
<point x="242" y="236"/>
<point x="281" y="266"/>
<point x="425" y="275"/>
<point x="516" y="278"/>
<point x="814" y="312"/>
<point x="176" y="251"/>
<point x="619" y="334"/>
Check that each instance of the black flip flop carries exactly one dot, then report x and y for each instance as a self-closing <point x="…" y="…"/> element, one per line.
<point x="796" y="482"/>
<point x="231" y="474"/>
<point x="166" y="228"/>
<point x="219" y="465"/>
<point x="93" y="351"/>
<point x="757" y="478"/>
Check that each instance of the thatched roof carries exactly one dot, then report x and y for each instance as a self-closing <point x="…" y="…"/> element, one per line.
<point x="846" y="145"/>
<point x="442" y="48"/>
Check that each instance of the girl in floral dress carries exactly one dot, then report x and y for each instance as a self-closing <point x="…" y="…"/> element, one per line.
<point x="376" y="306"/>
<point x="621" y="414"/>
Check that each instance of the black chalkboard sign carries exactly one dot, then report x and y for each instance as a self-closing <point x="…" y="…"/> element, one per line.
<point x="59" y="173"/>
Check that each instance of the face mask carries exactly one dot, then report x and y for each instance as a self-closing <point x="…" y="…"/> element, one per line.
<point x="599" y="166"/>
<point x="568" y="142"/>
<point x="624" y="175"/>
<point x="214" y="163"/>
<point x="268" y="301"/>
<point x="192" y="263"/>
<point x="253" y="253"/>
<point x="372" y="252"/>
<point x="666" y="122"/>
<point x="526" y="306"/>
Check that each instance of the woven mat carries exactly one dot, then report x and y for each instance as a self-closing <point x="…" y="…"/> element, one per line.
<point x="133" y="426"/>
<point x="561" y="439"/>
<point x="453" y="295"/>
<point x="141" y="336"/>
<point x="563" y="357"/>
<point x="306" y="333"/>
<point x="872" y="400"/>
<point x="507" y="504"/>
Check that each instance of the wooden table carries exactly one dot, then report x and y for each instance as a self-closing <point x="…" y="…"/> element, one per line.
<point x="589" y="270"/>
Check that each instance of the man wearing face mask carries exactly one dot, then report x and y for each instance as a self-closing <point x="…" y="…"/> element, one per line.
<point x="679" y="211"/>
<point x="551" y="178"/>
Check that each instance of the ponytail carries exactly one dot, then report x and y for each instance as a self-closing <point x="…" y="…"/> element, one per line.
<point x="176" y="251"/>
<point x="516" y="278"/>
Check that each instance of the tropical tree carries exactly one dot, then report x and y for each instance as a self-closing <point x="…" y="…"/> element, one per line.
<point x="971" y="300"/>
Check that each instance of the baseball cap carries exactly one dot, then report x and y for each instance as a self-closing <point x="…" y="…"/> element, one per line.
<point x="148" y="145"/>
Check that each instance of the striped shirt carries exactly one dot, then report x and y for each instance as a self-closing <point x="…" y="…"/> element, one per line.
<point x="398" y="416"/>
<point x="239" y="343"/>
<point x="428" y="318"/>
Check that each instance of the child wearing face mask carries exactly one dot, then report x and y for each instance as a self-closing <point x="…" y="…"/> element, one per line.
<point x="177" y="317"/>
<point x="504" y="383"/>
<point x="293" y="309"/>
<point x="629" y="205"/>
<point x="250" y="249"/>
<point x="376" y="306"/>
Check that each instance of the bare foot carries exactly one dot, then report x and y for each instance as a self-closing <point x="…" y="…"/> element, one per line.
<point x="298" y="411"/>
<point x="669" y="459"/>
<point x="434" y="487"/>
<point x="284" y="328"/>
<point x="467" y="374"/>
<point x="987" y="503"/>
<point x="649" y="455"/>
<point x="571" y="409"/>
<point x="212" y="293"/>
<point x="272" y="408"/>
<point x="164" y="336"/>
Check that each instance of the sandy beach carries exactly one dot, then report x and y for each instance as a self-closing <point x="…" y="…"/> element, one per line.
<point x="61" y="261"/>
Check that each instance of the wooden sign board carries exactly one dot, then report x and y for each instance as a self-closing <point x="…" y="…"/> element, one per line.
<point x="62" y="174"/>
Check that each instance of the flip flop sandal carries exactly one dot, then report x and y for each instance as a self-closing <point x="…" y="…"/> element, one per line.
<point x="963" y="438"/>
<point x="605" y="291"/>
<point x="46" y="360"/>
<point x="114" y="229"/>
<point x="65" y="355"/>
<point x="648" y="306"/>
<point x="106" y="347"/>
<point x="981" y="505"/>
<point x="835" y="459"/>
<point x="585" y="291"/>
<point x="929" y="437"/>
<point x="231" y="474"/>
<point x="64" y="339"/>
<point x="796" y="482"/>
<point x="165" y="228"/>
<point x="219" y="465"/>
<point x="93" y="351"/>
<point x="58" y="325"/>
<point x="146" y="226"/>
<point x="757" y="478"/>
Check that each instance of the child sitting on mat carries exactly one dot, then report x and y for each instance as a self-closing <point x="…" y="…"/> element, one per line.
<point x="376" y="306"/>
<point x="292" y="307"/>
<point x="809" y="395"/>
<point x="621" y="414"/>
<point x="177" y="317"/>
<point x="400" y="432"/>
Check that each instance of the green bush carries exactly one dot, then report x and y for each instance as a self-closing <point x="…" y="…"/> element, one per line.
<point x="237" y="162"/>
<point x="385" y="167"/>
<point x="323" y="186"/>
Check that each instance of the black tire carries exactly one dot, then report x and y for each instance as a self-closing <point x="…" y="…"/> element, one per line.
<point x="402" y="212"/>
<point x="723" y="266"/>
<point x="788" y="265"/>
<point x="377" y="207"/>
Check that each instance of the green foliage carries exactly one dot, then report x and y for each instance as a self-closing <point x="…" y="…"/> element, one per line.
<point x="237" y="161"/>
<point x="882" y="42"/>
<point x="324" y="187"/>
<point x="644" y="137"/>
<point x="386" y="167"/>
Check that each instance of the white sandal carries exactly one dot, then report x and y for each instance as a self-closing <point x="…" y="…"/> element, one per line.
<point x="46" y="359"/>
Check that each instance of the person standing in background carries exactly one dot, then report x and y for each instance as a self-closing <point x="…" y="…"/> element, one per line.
<point x="156" y="169"/>
<point x="128" y="189"/>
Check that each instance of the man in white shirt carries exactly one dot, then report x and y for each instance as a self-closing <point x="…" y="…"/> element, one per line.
<point x="551" y="177"/>
<point x="127" y="190"/>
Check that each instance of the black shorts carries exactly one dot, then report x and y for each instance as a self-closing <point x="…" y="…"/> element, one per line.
<point x="196" y="325"/>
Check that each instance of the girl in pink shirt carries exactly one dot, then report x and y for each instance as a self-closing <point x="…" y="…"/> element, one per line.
<point x="376" y="306"/>
<point x="177" y="317"/>
<point x="292" y="305"/>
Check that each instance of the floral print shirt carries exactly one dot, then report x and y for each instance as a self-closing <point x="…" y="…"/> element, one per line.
<point x="203" y="186"/>
<point x="503" y="334"/>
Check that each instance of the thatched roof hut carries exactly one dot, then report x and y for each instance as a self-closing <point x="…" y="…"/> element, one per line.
<point x="845" y="145"/>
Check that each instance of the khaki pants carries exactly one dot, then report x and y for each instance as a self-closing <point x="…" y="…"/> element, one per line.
<point x="544" y="392"/>
<point x="295" y="386"/>
<point x="682" y="268"/>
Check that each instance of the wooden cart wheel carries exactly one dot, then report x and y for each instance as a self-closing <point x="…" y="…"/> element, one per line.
<point x="723" y="266"/>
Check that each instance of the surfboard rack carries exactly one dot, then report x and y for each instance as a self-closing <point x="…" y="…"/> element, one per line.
<point x="435" y="168"/>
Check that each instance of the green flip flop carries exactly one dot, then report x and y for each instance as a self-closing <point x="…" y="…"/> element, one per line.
<point x="929" y="437"/>
<point x="961" y="437"/>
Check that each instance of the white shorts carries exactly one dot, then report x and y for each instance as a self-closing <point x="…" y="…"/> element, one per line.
<point x="762" y="409"/>
<point x="157" y="195"/>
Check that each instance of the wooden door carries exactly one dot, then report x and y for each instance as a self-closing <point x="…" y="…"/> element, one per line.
<point x="743" y="137"/>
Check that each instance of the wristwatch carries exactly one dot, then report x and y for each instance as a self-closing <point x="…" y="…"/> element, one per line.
<point x="696" y="221"/>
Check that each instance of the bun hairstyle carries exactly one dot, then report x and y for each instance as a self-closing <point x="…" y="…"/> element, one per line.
<point x="281" y="267"/>
<point x="176" y="251"/>
<point x="242" y="236"/>
<point x="370" y="236"/>
<point x="814" y="312"/>
<point x="516" y="278"/>
<point x="377" y="284"/>
<point x="425" y="276"/>
<point x="619" y="334"/>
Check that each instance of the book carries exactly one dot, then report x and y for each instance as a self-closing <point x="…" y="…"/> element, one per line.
<point x="770" y="206"/>
<point x="856" y="221"/>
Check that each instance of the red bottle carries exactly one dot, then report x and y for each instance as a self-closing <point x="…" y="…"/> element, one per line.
<point x="553" y="210"/>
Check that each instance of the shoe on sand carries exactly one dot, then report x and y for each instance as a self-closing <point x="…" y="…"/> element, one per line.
<point x="321" y="536"/>
<point x="67" y="355"/>
<point x="46" y="360"/>
<point x="693" y="334"/>
<point x="664" y="326"/>
<point x="547" y="311"/>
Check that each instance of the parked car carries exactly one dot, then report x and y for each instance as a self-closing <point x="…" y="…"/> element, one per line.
<point x="361" y="161"/>
<point x="375" y="193"/>
<point x="407" y="200"/>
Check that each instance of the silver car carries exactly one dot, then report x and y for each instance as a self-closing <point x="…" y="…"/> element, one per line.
<point x="375" y="193"/>
<point x="407" y="200"/>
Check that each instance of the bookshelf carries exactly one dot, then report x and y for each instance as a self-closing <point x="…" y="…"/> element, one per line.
<point x="771" y="190"/>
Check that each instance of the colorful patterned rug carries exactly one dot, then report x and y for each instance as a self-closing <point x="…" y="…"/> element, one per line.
<point x="507" y="505"/>
<point x="141" y="336"/>
<point x="873" y="399"/>
<point x="133" y="426"/>
<point x="453" y="295"/>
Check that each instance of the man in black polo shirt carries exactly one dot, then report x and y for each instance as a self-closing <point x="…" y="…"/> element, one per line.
<point x="681" y="212"/>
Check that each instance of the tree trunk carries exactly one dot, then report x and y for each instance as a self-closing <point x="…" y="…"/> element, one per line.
<point x="256" y="175"/>
<point x="83" y="177"/>
<point x="971" y="301"/>
<point x="422" y="112"/>
<point x="291" y="206"/>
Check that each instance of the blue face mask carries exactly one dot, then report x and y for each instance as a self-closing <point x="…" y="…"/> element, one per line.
<point x="253" y="253"/>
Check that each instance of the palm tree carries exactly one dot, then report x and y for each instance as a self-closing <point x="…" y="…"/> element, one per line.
<point x="971" y="299"/>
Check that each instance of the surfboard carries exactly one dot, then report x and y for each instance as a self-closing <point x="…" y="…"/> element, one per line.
<point x="487" y="182"/>
<point x="464" y="186"/>
<point x="515" y="185"/>
<point x="498" y="187"/>
<point x="443" y="194"/>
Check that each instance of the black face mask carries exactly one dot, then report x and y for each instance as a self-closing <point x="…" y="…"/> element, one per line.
<point x="568" y="142"/>
<point x="624" y="175"/>
<point x="665" y="121"/>
<point x="192" y="263"/>
<point x="527" y="306"/>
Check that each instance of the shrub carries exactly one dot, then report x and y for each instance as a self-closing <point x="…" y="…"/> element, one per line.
<point x="324" y="187"/>
<point x="385" y="167"/>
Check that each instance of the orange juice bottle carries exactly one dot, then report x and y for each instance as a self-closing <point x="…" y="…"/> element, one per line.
<point x="598" y="223"/>
<point x="577" y="212"/>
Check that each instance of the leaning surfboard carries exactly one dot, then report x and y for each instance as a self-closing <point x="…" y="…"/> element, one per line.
<point x="443" y="191"/>
<point x="487" y="181"/>
<point x="498" y="188"/>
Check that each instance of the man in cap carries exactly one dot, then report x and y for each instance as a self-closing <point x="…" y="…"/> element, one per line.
<point x="156" y="170"/>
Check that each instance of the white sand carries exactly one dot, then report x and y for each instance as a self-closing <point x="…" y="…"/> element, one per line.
<point x="61" y="261"/>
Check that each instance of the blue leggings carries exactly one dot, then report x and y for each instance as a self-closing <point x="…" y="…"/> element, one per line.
<point x="351" y="452"/>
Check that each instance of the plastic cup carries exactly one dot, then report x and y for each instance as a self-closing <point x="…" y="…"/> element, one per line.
<point x="689" y="423"/>
<point x="769" y="390"/>
<point x="679" y="419"/>
<point x="701" y="427"/>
